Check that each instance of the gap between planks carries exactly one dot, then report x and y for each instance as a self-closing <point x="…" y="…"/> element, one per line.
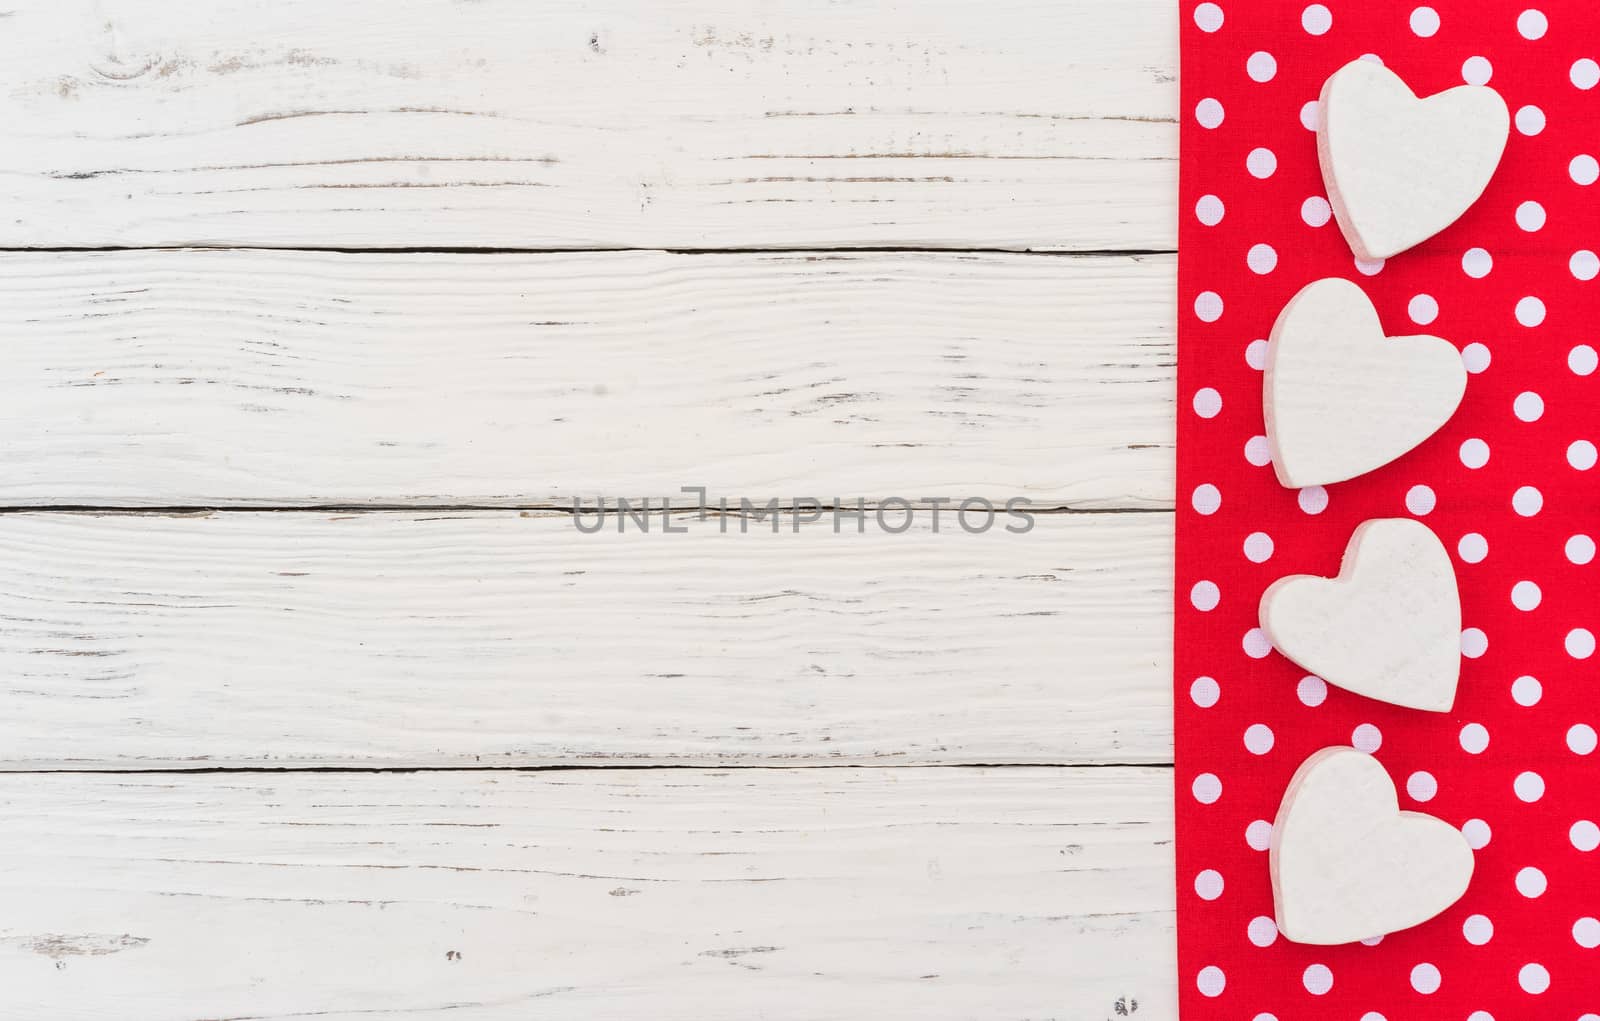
<point x="783" y="507"/>
<point x="570" y="768"/>
<point x="1101" y="253"/>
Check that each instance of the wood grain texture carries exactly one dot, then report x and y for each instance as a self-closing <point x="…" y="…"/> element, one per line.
<point x="616" y="123"/>
<point x="507" y="638"/>
<point x="202" y="378"/>
<point x="914" y="894"/>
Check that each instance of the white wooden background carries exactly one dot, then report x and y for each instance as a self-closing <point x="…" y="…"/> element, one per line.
<point x="317" y="317"/>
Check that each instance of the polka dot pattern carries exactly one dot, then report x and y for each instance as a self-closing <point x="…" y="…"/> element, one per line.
<point x="1508" y="485"/>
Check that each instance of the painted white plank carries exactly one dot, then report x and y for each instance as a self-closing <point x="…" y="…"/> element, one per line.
<point x="627" y="123"/>
<point x="497" y="637"/>
<point x="201" y="378"/>
<point x="915" y="894"/>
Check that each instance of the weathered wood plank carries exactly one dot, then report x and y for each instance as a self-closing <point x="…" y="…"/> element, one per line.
<point x="497" y="637"/>
<point x="916" y="894"/>
<point x="618" y="123"/>
<point x="292" y="378"/>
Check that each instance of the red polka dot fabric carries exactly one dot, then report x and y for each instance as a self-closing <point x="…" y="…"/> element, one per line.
<point x="1509" y="486"/>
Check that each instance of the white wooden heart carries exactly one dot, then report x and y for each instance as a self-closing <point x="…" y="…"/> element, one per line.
<point x="1341" y="398"/>
<point x="1348" y="865"/>
<point x="1399" y="169"/>
<point x="1388" y="627"/>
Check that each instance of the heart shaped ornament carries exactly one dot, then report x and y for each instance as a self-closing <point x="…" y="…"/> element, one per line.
<point x="1399" y="169"/>
<point x="1388" y="627"/>
<point x="1348" y="865"/>
<point x="1341" y="398"/>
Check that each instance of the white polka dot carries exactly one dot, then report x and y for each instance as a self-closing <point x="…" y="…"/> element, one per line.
<point x="1205" y="596"/>
<point x="1475" y="357"/>
<point x="1532" y="24"/>
<point x="1317" y="979"/>
<point x="1262" y="163"/>
<point x="1585" y="170"/>
<point x="1582" y="455"/>
<point x="1208" y="884"/>
<point x="1255" y="354"/>
<point x="1316" y="211"/>
<point x="1312" y="690"/>
<point x="1263" y="931"/>
<point x="1372" y="1015"/>
<point x="1204" y="692"/>
<point x="1209" y="210"/>
<point x="1477" y="833"/>
<point x="1586" y="932"/>
<point x="1425" y="979"/>
<point x="1474" y="643"/>
<point x="1258" y="739"/>
<point x="1585" y="265"/>
<point x="1372" y="58"/>
<point x="1208" y="17"/>
<point x="1262" y="259"/>
<point x="1313" y="499"/>
<point x="1530" y="312"/>
<point x="1423" y="309"/>
<point x="1369" y="267"/>
<point x="1480" y="1015"/>
<point x="1316" y="19"/>
<point x="1209" y="113"/>
<point x="1526" y="691"/>
<point x="1425" y="21"/>
<point x="1208" y="306"/>
<point x="1526" y="596"/>
<point x="1474" y="453"/>
<point x="1478" y="930"/>
<point x="1474" y="738"/>
<point x="1256" y="645"/>
<point x="1527" y="501"/>
<point x="1258" y="547"/>
<point x="1529" y="787"/>
<point x="1206" y="499"/>
<point x="1473" y="548"/>
<point x="1585" y="74"/>
<point x="1530" y="120"/>
<point x="1207" y="788"/>
<point x="1585" y="835"/>
<point x="1207" y="402"/>
<point x="1477" y="263"/>
<point x="1366" y="738"/>
<point x="1477" y="71"/>
<point x="1583" y="360"/>
<point x="1420" y="500"/>
<point x="1531" y="216"/>
<point x="1261" y="67"/>
<point x="1531" y="882"/>
<point x="1258" y="835"/>
<point x="1258" y="452"/>
<point x="1533" y="978"/>
<point x="1528" y="406"/>
<point x="1422" y="786"/>
<point x="1581" y="739"/>
<point x="1580" y="549"/>
<point x="1211" y="981"/>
